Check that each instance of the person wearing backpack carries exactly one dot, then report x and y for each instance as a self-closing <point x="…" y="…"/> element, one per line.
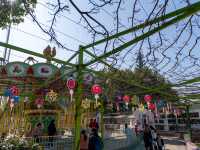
<point x="95" y="142"/>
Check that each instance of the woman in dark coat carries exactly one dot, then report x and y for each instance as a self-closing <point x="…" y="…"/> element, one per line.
<point x="51" y="132"/>
<point x="147" y="137"/>
<point x="52" y="129"/>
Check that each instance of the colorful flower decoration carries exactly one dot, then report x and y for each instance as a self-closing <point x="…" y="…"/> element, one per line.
<point x="14" y="90"/>
<point x="147" y="98"/>
<point x="8" y="93"/>
<point x="39" y="102"/>
<point x="52" y="96"/>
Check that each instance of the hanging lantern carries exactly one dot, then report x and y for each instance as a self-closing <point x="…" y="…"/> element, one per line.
<point x="71" y="85"/>
<point x="39" y="102"/>
<point x="52" y="96"/>
<point x="126" y="99"/>
<point x="147" y="98"/>
<point x="151" y="106"/>
<point x="96" y="90"/>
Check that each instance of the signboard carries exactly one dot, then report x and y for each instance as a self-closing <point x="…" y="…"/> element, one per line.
<point x="44" y="70"/>
<point x="16" y="69"/>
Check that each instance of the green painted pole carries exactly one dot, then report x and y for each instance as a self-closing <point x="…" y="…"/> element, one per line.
<point x="19" y="49"/>
<point x="72" y="57"/>
<point x="145" y="24"/>
<point x="102" y="120"/>
<point x="91" y="54"/>
<point x="78" y="100"/>
<point x="189" y="129"/>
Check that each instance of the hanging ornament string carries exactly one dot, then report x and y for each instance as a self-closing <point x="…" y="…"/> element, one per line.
<point x="148" y="99"/>
<point x="71" y="85"/>
<point x="126" y="99"/>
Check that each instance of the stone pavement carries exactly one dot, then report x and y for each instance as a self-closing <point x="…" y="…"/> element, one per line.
<point x="174" y="143"/>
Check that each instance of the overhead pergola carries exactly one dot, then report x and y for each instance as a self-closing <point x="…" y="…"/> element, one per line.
<point x="167" y="20"/>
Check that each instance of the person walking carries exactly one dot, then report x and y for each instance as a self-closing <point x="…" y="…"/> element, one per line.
<point x="37" y="132"/>
<point x="52" y="128"/>
<point x="129" y="135"/>
<point x="84" y="140"/>
<point x="51" y="132"/>
<point x="154" y="137"/>
<point x="160" y="142"/>
<point x="95" y="142"/>
<point x="147" y="137"/>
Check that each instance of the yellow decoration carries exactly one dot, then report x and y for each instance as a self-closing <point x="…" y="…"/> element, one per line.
<point x="97" y="105"/>
<point x="85" y="104"/>
<point x="141" y="107"/>
<point x="52" y="96"/>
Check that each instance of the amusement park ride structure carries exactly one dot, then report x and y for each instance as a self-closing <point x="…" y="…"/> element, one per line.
<point x="82" y="66"/>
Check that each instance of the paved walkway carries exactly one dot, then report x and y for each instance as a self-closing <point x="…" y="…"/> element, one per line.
<point x="174" y="143"/>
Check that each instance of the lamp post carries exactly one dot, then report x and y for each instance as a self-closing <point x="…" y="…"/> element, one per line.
<point x="7" y="53"/>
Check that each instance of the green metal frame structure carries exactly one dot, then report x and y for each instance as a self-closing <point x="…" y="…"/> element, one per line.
<point x="168" y="19"/>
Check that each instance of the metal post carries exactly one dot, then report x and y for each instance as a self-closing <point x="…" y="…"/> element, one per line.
<point x="102" y="121"/>
<point x="7" y="40"/>
<point x="189" y="129"/>
<point x="78" y="100"/>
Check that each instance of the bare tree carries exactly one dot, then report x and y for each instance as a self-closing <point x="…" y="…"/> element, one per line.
<point x="172" y="52"/>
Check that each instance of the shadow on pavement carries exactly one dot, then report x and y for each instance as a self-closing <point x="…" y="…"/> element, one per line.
<point x="173" y="141"/>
